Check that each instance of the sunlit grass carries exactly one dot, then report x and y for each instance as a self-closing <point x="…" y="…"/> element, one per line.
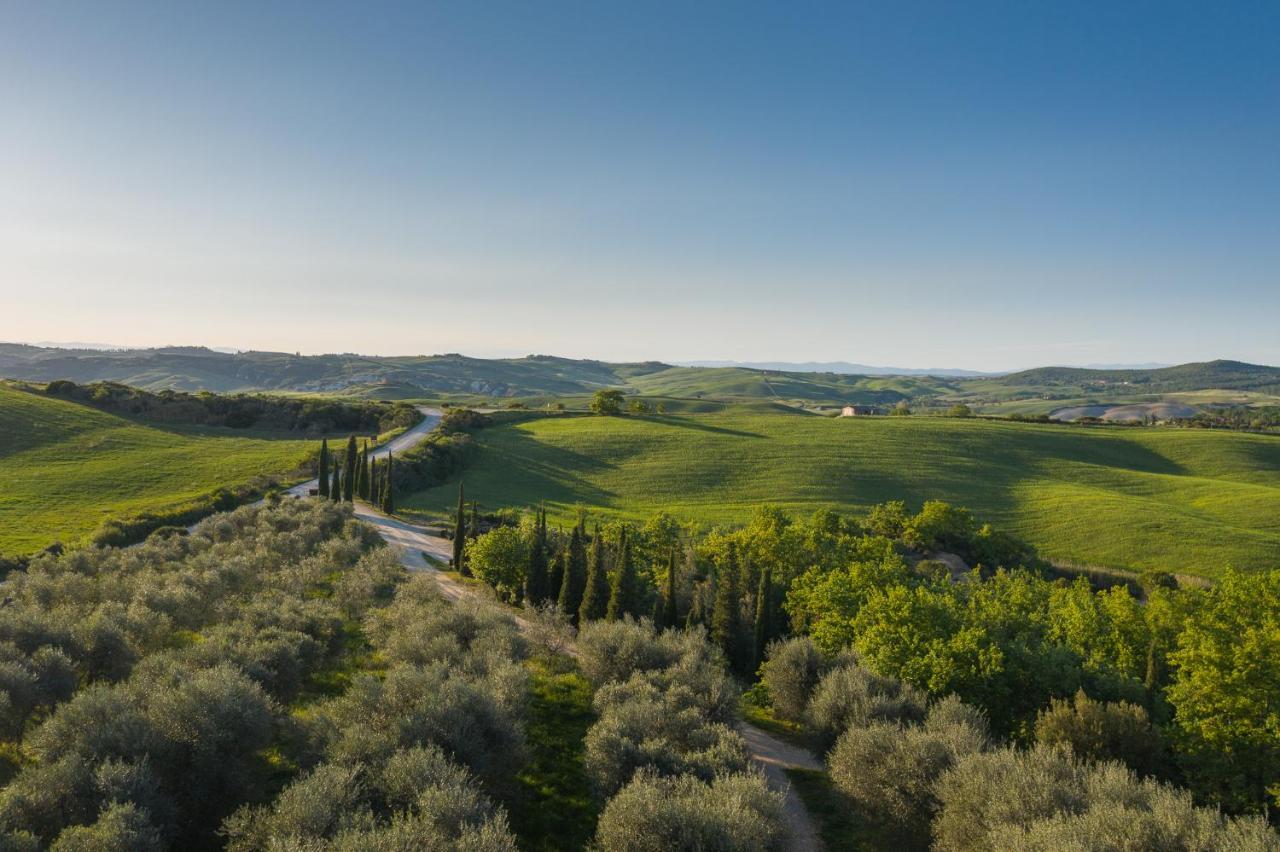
<point x="1134" y="498"/>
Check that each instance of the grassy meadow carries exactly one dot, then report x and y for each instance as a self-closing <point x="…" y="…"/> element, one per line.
<point x="1187" y="501"/>
<point x="65" y="468"/>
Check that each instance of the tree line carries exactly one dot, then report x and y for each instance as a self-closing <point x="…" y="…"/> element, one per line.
<point x="355" y="473"/>
<point x="1003" y="634"/>
<point x="310" y="415"/>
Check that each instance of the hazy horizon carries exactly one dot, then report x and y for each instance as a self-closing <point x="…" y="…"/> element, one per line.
<point x="986" y="187"/>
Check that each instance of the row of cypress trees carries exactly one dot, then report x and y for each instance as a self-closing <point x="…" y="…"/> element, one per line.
<point x="357" y="474"/>
<point x="580" y="581"/>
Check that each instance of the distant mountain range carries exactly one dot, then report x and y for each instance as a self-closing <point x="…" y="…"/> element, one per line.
<point x="543" y="376"/>
<point x="843" y="368"/>
<point x="849" y="369"/>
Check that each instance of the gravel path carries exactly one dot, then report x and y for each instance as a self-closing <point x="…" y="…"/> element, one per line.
<point x="771" y="754"/>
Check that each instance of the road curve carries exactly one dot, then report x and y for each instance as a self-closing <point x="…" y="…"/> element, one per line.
<point x="415" y="543"/>
<point x="403" y="441"/>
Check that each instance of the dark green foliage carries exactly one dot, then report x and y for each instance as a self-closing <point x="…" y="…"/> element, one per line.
<point x="624" y="588"/>
<point x="460" y="535"/>
<point x="607" y="402"/>
<point x="670" y="616"/>
<point x="389" y="487"/>
<point x="726" y="616"/>
<point x="555" y="575"/>
<point x="324" y="468"/>
<point x="335" y="482"/>
<point x="595" y="595"/>
<point x="240" y="411"/>
<point x="536" y="580"/>
<point x="1097" y="730"/>
<point x="349" y="473"/>
<point x="764" y="615"/>
<point x="362" y="473"/>
<point x="574" y="582"/>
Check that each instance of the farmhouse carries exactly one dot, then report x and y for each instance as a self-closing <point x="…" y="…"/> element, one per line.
<point x="857" y="410"/>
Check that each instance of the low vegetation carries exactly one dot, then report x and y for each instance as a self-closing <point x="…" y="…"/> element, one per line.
<point x="272" y="678"/>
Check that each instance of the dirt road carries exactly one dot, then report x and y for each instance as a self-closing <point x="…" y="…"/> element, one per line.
<point x="772" y="755"/>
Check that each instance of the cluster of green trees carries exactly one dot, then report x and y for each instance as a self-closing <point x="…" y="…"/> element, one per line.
<point x="355" y="473"/>
<point x="617" y="571"/>
<point x="664" y="754"/>
<point x="610" y="402"/>
<point x="272" y="680"/>
<point x="927" y="772"/>
<point x="1253" y="418"/>
<point x="241" y="411"/>
<point x="947" y="605"/>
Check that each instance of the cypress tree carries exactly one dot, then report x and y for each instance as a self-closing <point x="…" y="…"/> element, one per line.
<point x="362" y="474"/>
<point x="368" y="473"/>
<point x="624" y="590"/>
<point x="324" y="467"/>
<point x="389" y="490"/>
<point x="595" y="594"/>
<point x="555" y="576"/>
<point x="474" y="531"/>
<point x="535" y="578"/>
<point x="574" y="581"/>
<point x="764" y="616"/>
<point x="669" y="600"/>
<point x="697" y="608"/>
<point x="726" y="614"/>
<point x="349" y="472"/>
<point x="335" y="484"/>
<point x="460" y="536"/>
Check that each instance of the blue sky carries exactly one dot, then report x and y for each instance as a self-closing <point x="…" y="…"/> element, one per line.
<point x="982" y="185"/>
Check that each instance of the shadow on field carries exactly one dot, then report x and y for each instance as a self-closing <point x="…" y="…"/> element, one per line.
<point x="690" y="423"/>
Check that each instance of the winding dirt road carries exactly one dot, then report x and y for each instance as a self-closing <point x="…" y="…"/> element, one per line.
<point x="772" y="755"/>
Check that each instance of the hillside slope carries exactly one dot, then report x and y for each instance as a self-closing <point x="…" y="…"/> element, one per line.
<point x="547" y="377"/>
<point x="1181" y="500"/>
<point x="65" y="467"/>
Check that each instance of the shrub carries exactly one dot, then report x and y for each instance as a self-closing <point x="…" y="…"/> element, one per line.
<point x="851" y="694"/>
<point x="414" y="706"/>
<point x="791" y="673"/>
<point x="417" y="799"/>
<point x="1046" y="799"/>
<point x="613" y="650"/>
<point x="888" y="770"/>
<point x="1097" y="730"/>
<point x="121" y="827"/>
<point x="733" y="813"/>
<point x="665" y="729"/>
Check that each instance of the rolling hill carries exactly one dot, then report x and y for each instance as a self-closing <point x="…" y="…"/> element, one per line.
<point x="65" y="467"/>
<point x="548" y="377"/>
<point x="1187" y="501"/>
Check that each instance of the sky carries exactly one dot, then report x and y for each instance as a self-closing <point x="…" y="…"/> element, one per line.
<point x="970" y="185"/>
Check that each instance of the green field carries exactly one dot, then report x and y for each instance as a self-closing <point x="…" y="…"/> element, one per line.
<point x="1181" y="500"/>
<point x="64" y="467"/>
